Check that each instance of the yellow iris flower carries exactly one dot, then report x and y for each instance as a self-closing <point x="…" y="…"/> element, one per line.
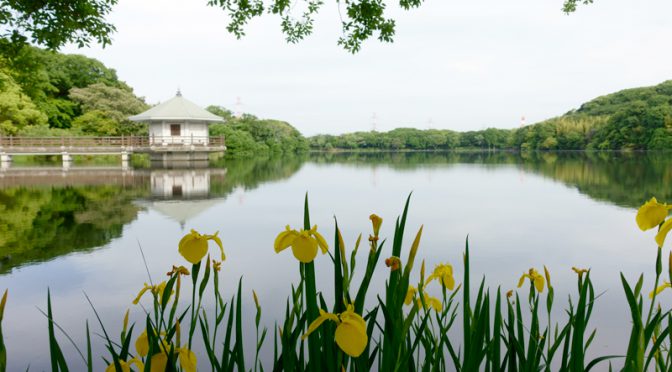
<point x="126" y="366"/>
<point x="194" y="246"/>
<point x="652" y="214"/>
<point x="376" y="221"/>
<point x="535" y="278"/>
<point x="155" y="289"/>
<point x="430" y="301"/>
<point x="304" y="243"/>
<point x="660" y="289"/>
<point x="443" y="273"/>
<point x="350" y="333"/>
<point x="187" y="358"/>
<point x="580" y="272"/>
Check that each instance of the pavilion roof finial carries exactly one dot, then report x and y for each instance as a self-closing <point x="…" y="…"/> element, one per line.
<point x="179" y="93"/>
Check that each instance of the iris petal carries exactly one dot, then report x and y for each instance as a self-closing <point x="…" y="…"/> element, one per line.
<point x="218" y="241"/>
<point x="124" y="367"/>
<point x="651" y="214"/>
<point x="320" y="240"/>
<point x="159" y="362"/>
<point x="187" y="360"/>
<point x="304" y="248"/>
<point x="193" y="247"/>
<point x="449" y="281"/>
<point x="662" y="233"/>
<point x="351" y="337"/>
<point x="324" y="316"/>
<point x="522" y="280"/>
<point x="142" y="344"/>
<point x="539" y="283"/>
<point x="284" y="239"/>
<point x="410" y="293"/>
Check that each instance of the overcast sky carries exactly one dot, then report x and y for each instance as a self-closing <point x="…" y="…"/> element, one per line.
<point x="461" y="65"/>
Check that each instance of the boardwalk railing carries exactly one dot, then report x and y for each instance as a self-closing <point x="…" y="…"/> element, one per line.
<point x="8" y="142"/>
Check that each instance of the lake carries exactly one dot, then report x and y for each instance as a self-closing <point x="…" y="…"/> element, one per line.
<point x="82" y="230"/>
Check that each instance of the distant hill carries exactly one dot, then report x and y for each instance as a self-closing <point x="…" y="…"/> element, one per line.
<point x="631" y="119"/>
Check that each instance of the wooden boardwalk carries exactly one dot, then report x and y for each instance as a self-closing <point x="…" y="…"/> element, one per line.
<point x="120" y="145"/>
<point x="114" y="145"/>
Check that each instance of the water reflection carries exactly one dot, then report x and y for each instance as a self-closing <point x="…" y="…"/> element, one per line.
<point x="623" y="179"/>
<point x="183" y="194"/>
<point x="47" y="212"/>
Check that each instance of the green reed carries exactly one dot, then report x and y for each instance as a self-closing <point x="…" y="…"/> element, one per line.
<point x="405" y="328"/>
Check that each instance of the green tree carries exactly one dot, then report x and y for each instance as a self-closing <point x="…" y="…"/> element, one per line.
<point x="109" y="104"/>
<point x="249" y="135"/>
<point x="16" y="109"/>
<point x="97" y="123"/>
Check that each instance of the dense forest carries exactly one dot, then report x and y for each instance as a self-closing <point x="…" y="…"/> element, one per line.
<point x="46" y="93"/>
<point x="632" y="119"/>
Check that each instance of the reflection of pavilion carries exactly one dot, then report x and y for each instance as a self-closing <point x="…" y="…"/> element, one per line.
<point x="180" y="184"/>
<point x="181" y="194"/>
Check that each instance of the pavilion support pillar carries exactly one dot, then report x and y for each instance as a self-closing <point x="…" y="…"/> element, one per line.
<point x="125" y="159"/>
<point x="5" y="160"/>
<point x="67" y="160"/>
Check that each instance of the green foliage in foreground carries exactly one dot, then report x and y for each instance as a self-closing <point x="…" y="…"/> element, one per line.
<point x="402" y="329"/>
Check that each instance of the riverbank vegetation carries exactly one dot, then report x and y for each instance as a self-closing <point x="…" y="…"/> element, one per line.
<point x="425" y="319"/>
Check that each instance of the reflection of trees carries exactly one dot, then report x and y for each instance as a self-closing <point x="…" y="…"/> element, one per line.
<point x="625" y="179"/>
<point x="249" y="173"/>
<point x="41" y="223"/>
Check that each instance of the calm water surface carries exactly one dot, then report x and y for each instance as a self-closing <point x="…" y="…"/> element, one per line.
<point x="80" y="231"/>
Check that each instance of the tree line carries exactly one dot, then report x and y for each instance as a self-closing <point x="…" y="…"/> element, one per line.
<point x="632" y="119"/>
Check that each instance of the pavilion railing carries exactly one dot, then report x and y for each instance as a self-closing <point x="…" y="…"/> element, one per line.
<point x="116" y="141"/>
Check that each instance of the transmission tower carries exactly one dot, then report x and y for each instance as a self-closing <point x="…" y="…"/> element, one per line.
<point x="238" y="112"/>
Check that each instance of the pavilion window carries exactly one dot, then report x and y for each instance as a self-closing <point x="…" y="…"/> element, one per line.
<point x="175" y="129"/>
